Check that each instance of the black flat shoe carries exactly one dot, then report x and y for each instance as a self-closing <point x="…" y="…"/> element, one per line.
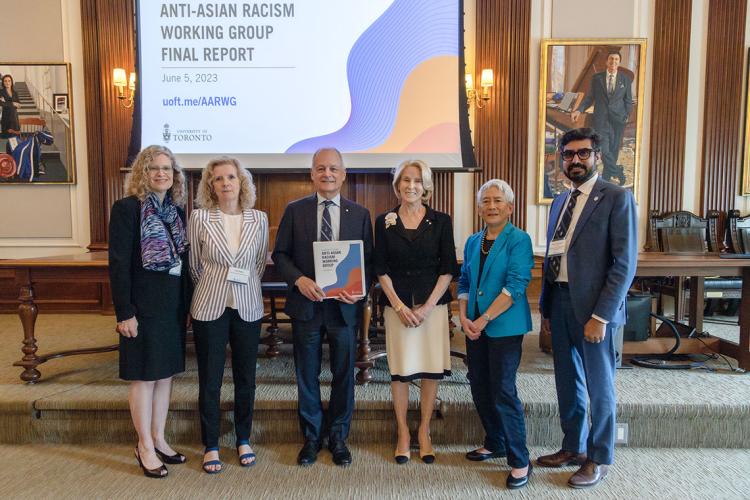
<point x="476" y="456"/>
<point x="157" y="473"/>
<point x="177" y="458"/>
<point x="514" y="483"/>
<point x="402" y="457"/>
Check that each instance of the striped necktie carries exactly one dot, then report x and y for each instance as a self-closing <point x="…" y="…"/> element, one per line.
<point x="611" y="85"/>
<point x="326" y="229"/>
<point x="553" y="266"/>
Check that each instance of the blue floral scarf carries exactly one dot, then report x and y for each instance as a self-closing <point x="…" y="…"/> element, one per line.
<point x="163" y="237"/>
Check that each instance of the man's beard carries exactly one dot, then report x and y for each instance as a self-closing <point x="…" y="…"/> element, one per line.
<point x="579" y="178"/>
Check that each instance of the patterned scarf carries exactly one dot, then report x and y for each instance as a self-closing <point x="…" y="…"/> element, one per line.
<point x="163" y="237"/>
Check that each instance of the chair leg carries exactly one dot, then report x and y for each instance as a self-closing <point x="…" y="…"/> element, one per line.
<point x="272" y="340"/>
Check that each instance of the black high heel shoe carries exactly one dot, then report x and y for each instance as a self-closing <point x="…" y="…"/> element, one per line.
<point x="177" y="458"/>
<point x="157" y="473"/>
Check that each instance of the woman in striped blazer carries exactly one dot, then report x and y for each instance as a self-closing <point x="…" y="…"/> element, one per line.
<point x="229" y="243"/>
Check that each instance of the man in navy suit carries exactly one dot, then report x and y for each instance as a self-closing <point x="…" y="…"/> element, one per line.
<point x="591" y="258"/>
<point x="324" y="216"/>
<point x="612" y="96"/>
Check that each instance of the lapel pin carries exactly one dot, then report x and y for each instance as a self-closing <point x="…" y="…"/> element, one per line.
<point x="596" y="198"/>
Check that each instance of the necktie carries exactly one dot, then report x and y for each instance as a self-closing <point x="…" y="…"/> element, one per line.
<point x="326" y="229"/>
<point x="611" y="84"/>
<point x="553" y="266"/>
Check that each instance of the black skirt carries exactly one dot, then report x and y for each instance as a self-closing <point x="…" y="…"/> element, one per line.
<point x="158" y="351"/>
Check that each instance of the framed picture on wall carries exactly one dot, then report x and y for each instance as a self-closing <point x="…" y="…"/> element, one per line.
<point x="595" y="83"/>
<point x="60" y="103"/>
<point x="36" y="127"/>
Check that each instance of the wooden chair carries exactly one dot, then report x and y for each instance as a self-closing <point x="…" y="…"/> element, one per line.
<point x="737" y="234"/>
<point x="684" y="233"/>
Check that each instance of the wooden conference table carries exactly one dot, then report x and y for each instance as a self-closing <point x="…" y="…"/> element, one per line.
<point x="657" y="264"/>
<point x="93" y="268"/>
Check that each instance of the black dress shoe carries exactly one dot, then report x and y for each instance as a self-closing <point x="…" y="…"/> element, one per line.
<point x="476" y="456"/>
<point x="513" y="483"/>
<point x="309" y="453"/>
<point x="341" y="454"/>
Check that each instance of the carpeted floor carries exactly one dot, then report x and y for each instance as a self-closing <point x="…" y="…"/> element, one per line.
<point x="80" y="399"/>
<point x="66" y="471"/>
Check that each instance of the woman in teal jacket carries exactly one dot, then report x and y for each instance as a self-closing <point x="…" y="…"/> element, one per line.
<point x="495" y="315"/>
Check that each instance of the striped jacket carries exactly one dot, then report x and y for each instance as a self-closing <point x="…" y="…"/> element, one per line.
<point x="210" y="260"/>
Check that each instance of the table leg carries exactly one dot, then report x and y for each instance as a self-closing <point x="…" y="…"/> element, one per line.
<point x="741" y="351"/>
<point x="696" y="302"/>
<point x="27" y="311"/>
<point x="363" y="352"/>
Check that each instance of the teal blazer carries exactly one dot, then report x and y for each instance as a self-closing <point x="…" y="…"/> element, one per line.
<point x="508" y="266"/>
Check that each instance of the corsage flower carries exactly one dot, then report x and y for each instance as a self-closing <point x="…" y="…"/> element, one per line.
<point x="390" y="219"/>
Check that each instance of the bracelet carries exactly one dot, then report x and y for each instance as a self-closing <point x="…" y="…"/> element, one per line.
<point x="487" y="317"/>
<point x="398" y="308"/>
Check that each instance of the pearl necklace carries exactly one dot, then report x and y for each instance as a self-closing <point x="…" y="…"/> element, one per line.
<point x="484" y="238"/>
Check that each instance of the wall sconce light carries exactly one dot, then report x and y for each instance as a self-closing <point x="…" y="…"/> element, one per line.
<point x="120" y="80"/>
<point x="487" y="80"/>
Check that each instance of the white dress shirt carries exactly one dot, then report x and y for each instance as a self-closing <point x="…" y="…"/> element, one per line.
<point x="335" y="212"/>
<point x="585" y="190"/>
<point x="233" y="232"/>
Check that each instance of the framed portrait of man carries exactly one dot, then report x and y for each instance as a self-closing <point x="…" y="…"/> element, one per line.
<point x="595" y="83"/>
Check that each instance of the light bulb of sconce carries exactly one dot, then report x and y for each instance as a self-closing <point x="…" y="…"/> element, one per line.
<point x="469" y="81"/>
<point x="119" y="77"/>
<point x="488" y="79"/>
<point x="131" y="84"/>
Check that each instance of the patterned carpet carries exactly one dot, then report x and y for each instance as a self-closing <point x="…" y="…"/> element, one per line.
<point x="80" y="399"/>
<point x="96" y="471"/>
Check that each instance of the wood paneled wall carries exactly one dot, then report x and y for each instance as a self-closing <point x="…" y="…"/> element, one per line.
<point x="107" y="44"/>
<point x="669" y="104"/>
<point x="722" y="115"/>
<point x="501" y="129"/>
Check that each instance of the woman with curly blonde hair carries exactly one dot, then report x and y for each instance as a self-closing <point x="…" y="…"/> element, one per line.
<point x="229" y="243"/>
<point x="148" y="276"/>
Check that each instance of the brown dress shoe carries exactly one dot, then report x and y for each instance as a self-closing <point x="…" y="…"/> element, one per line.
<point x="561" y="459"/>
<point x="590" y="474"/>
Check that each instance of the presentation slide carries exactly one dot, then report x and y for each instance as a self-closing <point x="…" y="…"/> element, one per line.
<point x="272" y="82"/>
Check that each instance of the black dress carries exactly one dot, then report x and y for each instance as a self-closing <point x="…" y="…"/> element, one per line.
<point x="158" y="300"/>
<point x="10" y="113"/>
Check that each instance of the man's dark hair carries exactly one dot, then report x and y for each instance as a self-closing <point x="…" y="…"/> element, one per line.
<point x="579" y="134"/>
<point x="614" y="52"/>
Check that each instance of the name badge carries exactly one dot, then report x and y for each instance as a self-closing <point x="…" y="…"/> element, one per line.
<point x="238" y="275"/>
<point x="556" y="247"/>
<point x="176" y="270"/>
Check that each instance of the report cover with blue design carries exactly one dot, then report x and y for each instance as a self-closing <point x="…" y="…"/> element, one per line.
<point x="340" y="266"/>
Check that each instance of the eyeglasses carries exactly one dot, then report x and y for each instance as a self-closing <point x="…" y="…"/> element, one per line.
<point x="152" y="169"/>
<point x="583" y="154"/>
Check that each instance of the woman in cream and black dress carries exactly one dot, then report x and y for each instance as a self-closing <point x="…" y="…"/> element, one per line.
<point x="415" y="260"/>
<point x="229" y="243"/>
<point x="150" y="291"/>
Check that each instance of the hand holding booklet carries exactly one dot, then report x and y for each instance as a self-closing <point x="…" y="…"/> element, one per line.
<point x="340" y="266"/>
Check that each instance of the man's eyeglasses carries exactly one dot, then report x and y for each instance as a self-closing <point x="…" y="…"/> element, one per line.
<point x="583" y="153"/>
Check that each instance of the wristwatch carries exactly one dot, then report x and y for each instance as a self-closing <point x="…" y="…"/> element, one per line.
<point x="487" y="317"/>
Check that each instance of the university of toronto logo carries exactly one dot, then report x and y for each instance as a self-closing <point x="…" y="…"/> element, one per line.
<point x="166" y="133"/>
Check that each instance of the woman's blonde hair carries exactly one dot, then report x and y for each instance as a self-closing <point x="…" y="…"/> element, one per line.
<point x="426" y="178"/>
<point x="136" y="182"/>
<point x="206" y="197"/>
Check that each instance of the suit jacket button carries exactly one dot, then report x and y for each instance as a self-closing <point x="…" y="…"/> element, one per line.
<point x="481" y="292"/>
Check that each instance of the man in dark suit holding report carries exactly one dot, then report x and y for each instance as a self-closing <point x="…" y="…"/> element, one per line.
<point x="324" y="216"/>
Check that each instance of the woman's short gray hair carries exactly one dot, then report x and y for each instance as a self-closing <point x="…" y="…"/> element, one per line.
<point x="503" y="186"/>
